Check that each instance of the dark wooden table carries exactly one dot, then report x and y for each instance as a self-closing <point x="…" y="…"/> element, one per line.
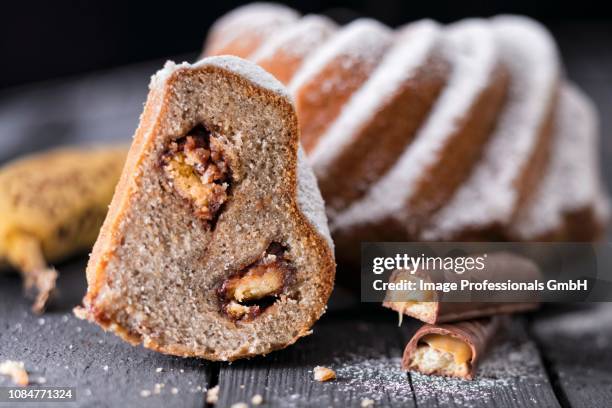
<point x="560" y="356"/>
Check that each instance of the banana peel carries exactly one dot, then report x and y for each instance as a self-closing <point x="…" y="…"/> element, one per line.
<point x="52" y="206"/>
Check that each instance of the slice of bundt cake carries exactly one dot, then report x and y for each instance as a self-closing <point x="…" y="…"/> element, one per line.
<point x="216" y="242"/>
<point x="515" y="157"/>
<point x="570" y="203"/>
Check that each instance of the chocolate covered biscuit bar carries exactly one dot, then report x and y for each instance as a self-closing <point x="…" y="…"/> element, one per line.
<point x="434" y="306"/>
<point x="452" y="350"/>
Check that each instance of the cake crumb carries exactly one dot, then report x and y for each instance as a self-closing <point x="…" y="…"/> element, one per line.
<point x="212" y="395"/>
<point x="257" y="399"/>
<point x="240" y="405"/>
<point x="174" y="390"/>
<point x="145" y="393"/>
<point x="367" y="402"/>
<point x="324" y="374"/>
<point x="80" y="313"/>
<point x="158" y="387"/>
<point x="15" y="370"/>
<point x="158" y="370"/>
<point x="105" y="368"/>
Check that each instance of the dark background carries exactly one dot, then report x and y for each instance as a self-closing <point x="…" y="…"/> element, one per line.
<point x="50" y="39"/>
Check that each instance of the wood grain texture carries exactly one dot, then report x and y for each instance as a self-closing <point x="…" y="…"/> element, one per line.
<point x="68" y="352"/>
<point x="576" y="344"/>
<point x="365" y="352"/>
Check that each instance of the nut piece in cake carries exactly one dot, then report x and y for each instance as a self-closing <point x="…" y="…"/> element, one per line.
<point x="197" y="170"/>
<point x="248" y="293"/>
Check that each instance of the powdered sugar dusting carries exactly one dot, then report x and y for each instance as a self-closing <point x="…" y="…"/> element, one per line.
<point x="530" y="54"/>
<point x="244" y="68"/>
<point x="248" y="70"/>
<point x="355" y="41"/>
<point x="512" y="366"/>
<point x="309" y="198"/>
<point x="574" y="167"/>
<point x="360" y="374"/>
<point x="376" y="377"/>
<point x="158" y="80"/>
<point x="261" y="19"/>
<point x="471" y="52"/>
<point x="298" y="39"/>
<point x="400" y="64"/>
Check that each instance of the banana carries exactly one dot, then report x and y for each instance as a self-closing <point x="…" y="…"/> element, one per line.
<point x="52" y="205"/>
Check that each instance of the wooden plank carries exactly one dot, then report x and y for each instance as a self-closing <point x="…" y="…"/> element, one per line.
<point x="576" y="343"/>
<point x="94" y="108"/>
<point x="511" y="375"/>
<point x="60" y="350"/>
<point x="364" y="351"/>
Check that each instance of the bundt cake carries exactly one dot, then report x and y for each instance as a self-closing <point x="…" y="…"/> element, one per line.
<point x="216" y="242"/>
<point x="284" y="53"/>
<point x="569" y="203"/>
<point x="326" y="80"/>
<point x="247" y="28"/>
<point x="381" y="118"/>
<point x="446" y="146"/>
<point x="445" y="133"/>
<point x="515" y="158"/>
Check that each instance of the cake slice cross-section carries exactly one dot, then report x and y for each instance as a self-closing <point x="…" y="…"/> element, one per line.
<point x="216" y="242"/>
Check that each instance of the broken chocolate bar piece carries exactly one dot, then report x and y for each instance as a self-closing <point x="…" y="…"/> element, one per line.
<point x="451" y="350"/>
<point x="437" y="307"/>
